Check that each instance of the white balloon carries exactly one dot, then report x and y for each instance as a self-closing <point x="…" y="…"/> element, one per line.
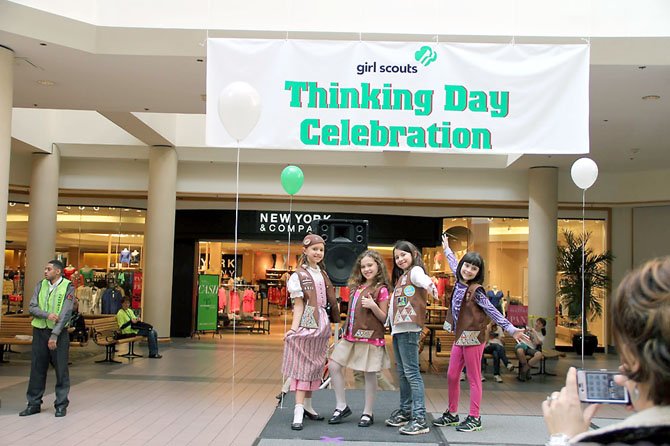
<point x="239" y="109"/>
<point x="584" y="172"/>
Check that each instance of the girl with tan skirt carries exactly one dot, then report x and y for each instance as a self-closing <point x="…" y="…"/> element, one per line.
<point x="362" y="346"/>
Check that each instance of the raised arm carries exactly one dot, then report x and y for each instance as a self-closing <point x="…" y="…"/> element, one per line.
<point x="449" y="254"/>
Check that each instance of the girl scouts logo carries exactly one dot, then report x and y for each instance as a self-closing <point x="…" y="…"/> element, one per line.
<point x="425" y="56"/>
<point x="409" y="291"/>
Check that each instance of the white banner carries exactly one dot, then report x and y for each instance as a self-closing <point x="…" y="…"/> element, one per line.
<point x="452" y="98"/>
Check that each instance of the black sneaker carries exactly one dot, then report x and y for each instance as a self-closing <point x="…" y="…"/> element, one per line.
<point x="470" y="424"/>
<point x="416" y="427"/>
<point x="398" y="418"/>
<point x="446" y="419"/>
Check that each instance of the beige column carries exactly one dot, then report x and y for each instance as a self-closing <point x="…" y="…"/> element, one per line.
<point x="542" y="242"/>
<point x="6" y="98"/>
<point x="41" y="245"/>
<point x="159" y="238"/>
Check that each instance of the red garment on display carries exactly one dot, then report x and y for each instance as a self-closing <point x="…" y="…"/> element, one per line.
<point x="234" y="302"/>
<point x="249" y="301"/>
<point x="344" y="293"/>
<point x="68" y="271"/>
<point x="222" y="298"/>
<point x="137" y="284"/>
<point x="282" y="296"/>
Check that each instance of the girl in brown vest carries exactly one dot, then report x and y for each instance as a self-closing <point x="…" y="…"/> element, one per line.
<point x="467" y="317"/>
<point x="306" y="343"/>
<point x="362" y="346"/>
<point x="407" y="316"/>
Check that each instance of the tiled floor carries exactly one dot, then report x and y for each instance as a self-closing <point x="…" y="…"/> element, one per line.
<point x="215" y="390"/>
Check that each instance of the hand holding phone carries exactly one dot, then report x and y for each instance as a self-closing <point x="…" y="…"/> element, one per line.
<point x="598" y="386"/>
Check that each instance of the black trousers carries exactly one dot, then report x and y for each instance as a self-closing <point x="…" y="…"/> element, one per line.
<point x="41" y="358"/>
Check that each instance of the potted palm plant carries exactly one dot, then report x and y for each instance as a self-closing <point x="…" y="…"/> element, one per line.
<point x="596" y="281"/>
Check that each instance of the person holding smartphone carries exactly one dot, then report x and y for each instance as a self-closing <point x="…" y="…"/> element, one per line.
<point x="640" y="311"/>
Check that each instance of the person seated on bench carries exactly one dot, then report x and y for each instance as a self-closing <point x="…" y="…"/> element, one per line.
<point x="495" y="347"/>
<point x="536" y="335"/>
<point x="130" y="324"/>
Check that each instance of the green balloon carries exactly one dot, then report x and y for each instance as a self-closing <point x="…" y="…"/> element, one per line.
<point x="292" y="179"/>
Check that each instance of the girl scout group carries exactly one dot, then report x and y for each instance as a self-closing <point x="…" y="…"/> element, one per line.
<point x="375" y="301"/>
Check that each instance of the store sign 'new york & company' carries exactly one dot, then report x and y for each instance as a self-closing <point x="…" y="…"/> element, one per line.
<point x="282" y="222"/>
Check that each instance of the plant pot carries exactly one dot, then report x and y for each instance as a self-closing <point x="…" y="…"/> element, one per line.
<point x="590" y="344"/>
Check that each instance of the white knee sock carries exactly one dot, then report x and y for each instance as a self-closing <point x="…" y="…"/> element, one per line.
<point x="307" y="404"/>
<point x="298" y="413"/>
<point x="370" y="391"/>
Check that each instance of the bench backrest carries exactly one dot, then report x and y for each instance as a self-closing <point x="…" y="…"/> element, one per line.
<point x="12" y="325"/>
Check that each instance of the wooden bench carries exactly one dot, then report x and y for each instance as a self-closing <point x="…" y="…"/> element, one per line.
<point x="103" y="327"/>
<point x="20" y="325"/>
<point x="11" y="326"/>
<point x="446" y="341"/>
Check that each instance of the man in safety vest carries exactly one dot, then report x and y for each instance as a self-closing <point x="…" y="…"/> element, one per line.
<point x="51" y="308"/>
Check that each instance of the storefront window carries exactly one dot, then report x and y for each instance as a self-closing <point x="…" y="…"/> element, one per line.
<point x="503" y="243"/>
<point x="101" y="247"/>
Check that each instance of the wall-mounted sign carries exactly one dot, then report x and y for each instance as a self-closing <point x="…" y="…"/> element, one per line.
<point x="228" y="265"/>
<point x="434" y="97"/>
<point x="283" y="222"/>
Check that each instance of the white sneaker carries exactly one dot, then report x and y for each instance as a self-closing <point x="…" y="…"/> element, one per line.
<point x="510" y="366"/>
<point x="497" y="378"/>
<point x="462" y="376"/>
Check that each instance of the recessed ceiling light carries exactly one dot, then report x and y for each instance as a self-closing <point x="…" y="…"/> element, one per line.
<point x="146" y="109"/>
<point x="634" y="150"/>
<point x="651" y="97"/>
<point x="12" y="204"/>
<point x="46" y="82"/>
<point x="27" y="205"/>
<point x="43" y="44"/>
<point x="200" y="60"/>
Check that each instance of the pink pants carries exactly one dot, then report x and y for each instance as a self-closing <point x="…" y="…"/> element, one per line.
<point x="471" y="358"/>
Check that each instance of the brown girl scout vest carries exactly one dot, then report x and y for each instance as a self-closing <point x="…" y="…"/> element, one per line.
<point x="409" y="302"/>
<point x="309" y="317"/>
<point x="366" y="324"/>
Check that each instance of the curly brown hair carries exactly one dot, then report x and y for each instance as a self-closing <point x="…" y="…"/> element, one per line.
<point x="356" y="278"/>
<point x="641" y="322"/>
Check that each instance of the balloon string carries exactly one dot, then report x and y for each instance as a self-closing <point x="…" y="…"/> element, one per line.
<point x="583" y="272"/>
<point x="288" y="260"/>
<point x="237" y="208"/>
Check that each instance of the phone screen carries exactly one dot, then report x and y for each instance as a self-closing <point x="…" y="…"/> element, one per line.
<point x="600" y="386"/>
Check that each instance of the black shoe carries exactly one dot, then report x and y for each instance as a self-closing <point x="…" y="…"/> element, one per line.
<point x="398" y="418"/>
<point x="415" y="427"/>
<point x="61" y="411"/>
<point x="470" y="424"/>
<point x="30" y="410"/>
<point x="338" y="415"/>
<point x="280" y="395"/>
<point x="156" y="356"/>
<point x="296" y="426"/>
<point x="313" y="416"/>
<point x="366" y="420"/>
<point x="447" y="419"/>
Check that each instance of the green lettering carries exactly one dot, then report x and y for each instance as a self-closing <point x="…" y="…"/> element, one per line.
<point x="456" y="97"/>
<point x="305" y="135"/>
<point x="295" y="88"/>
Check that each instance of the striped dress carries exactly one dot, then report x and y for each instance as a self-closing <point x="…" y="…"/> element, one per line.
<point x="305" y="350"/>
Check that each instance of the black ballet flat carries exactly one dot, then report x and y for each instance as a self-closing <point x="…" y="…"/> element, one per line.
<point x="314" y="416"/>
<point x="296" y="426"/>
<point x="366" y="420"/>
<point x="338" y="415"/>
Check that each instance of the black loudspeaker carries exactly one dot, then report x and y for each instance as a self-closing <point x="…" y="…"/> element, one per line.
<point x="345" y="241"/>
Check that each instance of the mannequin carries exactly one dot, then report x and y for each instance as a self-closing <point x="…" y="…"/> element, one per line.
<point x="496" y="296"/>
<point x="124" y="257"/>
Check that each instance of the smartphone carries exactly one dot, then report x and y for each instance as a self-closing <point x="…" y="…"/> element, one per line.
<point x="598" y="386"/>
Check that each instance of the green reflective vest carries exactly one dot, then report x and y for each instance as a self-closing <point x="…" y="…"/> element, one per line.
<point x="50" y="302"/>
